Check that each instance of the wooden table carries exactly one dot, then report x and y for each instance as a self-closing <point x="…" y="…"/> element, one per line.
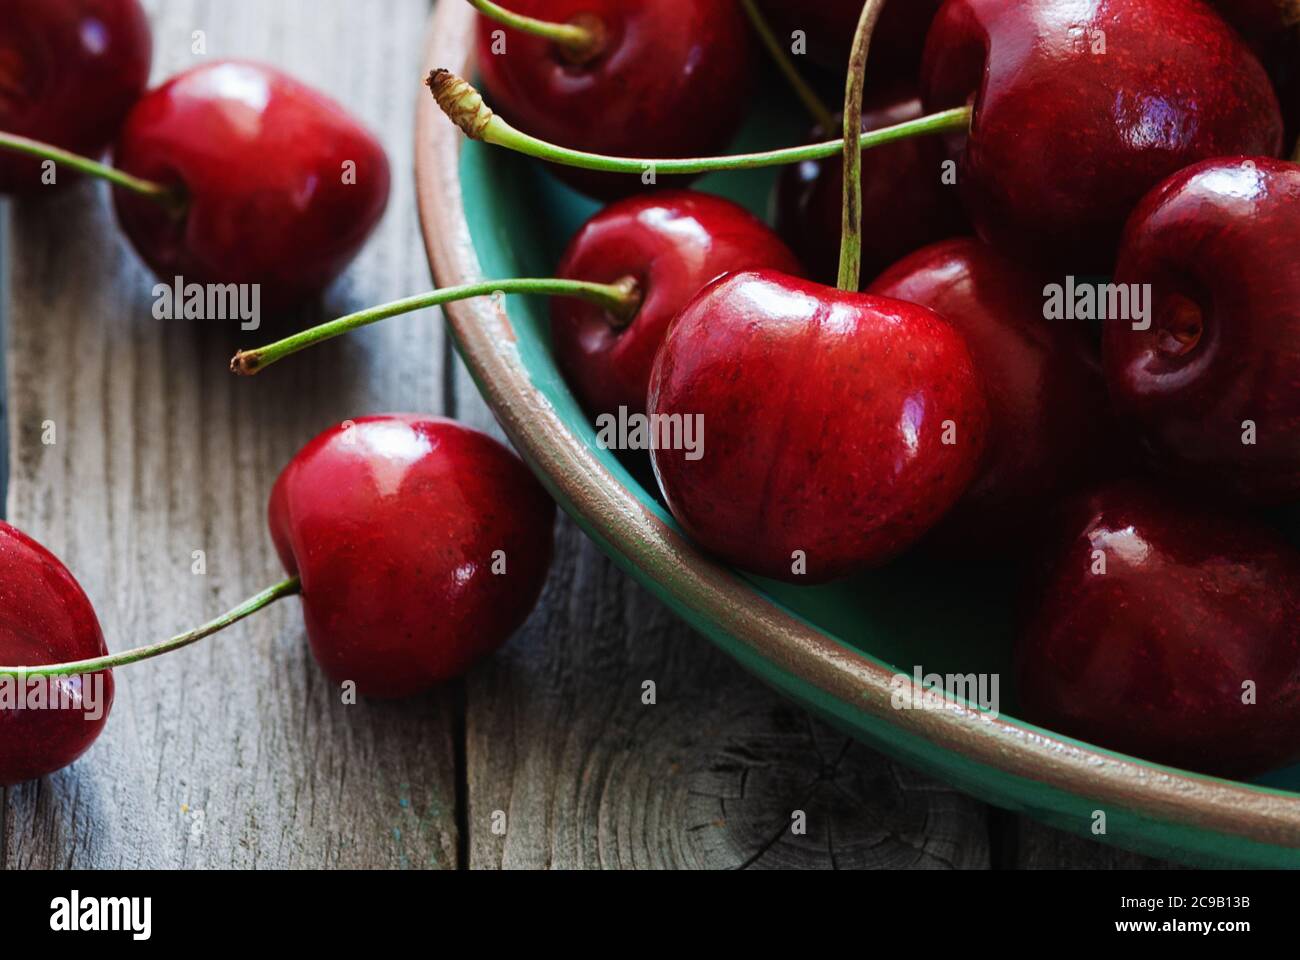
<point x="237" y="753"/>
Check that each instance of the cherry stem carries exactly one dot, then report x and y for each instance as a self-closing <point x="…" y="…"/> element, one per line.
<point x="155" y="191"/>
<point x="465" y="107"/>
<point x="802" y="88"/>
<point x="573" y="37"/>
<point x="621" y="299"/>
<point x="250" y="606"/>
<point x="851" y="236"/>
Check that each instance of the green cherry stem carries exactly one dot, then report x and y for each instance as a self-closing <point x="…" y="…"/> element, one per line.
<point x="578" y="39"/>
<point x="44" y="151"/>
<point x="621" y="299"/>
<point x="250" y="606"/>
<point x="802" y="88"/>
<point x="851" y="236"/>
<point x="465" y="107"/>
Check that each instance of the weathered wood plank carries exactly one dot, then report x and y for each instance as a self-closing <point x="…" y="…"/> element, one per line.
<point x="235" y="753"/>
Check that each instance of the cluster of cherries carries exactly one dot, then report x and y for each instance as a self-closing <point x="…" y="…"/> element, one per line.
<point x="934" y="408"/>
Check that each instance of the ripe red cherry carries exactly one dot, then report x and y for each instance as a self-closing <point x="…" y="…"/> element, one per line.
<point x="1155" y="655"/>
<point x="421" y="545"/>
<point x="281" y="185"/>
<point x="1048" y="409"/>
<point x="825" y="416"/>
<point x="666" y="79"/>
<point x="829" y="25"/>
<point x="69" y="72"/>
<point x="46" y="618"/>
<point x="672" y="243"/>
<point x="1218" y="243"/>
<point x="905" y="204"/>
<point x="1066" y="139"/>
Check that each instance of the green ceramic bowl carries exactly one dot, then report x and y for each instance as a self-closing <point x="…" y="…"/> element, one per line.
<point x="834" y="649"/>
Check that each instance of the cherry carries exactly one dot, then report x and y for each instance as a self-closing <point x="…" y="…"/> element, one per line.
<point x="660" y="78"/>
<point x="837" y="424"/>
<point x="69" y="72"/>
<point x="1048" y="409"/>
<point x="1214" y="383"/>
<point x="905" y="203"/>
<point x="278" y="185"/>
<point x="672" y="243"/>
<point x="828" y="27"/>
<point x="421" y="545"/>
<point x="1080" y="109"/>
<point x="45" y="618"/>
<point x="1169" y="631"/>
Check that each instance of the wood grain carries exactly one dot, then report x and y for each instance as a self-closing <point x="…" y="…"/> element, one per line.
<point x="237" y="752"/>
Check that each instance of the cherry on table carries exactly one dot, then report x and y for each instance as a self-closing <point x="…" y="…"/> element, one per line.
<point x="45" y="618"/>
<point x="69" y="72"/>
<point x="277" y="184"/>
<point x="421" y="546"/>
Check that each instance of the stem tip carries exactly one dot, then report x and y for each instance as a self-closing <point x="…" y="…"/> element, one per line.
<point x="458" y="99"/>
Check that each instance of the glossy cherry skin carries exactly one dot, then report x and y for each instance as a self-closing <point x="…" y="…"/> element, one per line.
<point x="46" y="618"/>
<point x="673" y="243"/>
<point x="1152" y="656"/>
<point x="671" y="79"/>
<point x="283" y="186"/>
<point x="905" y="203"/>
<point x="394" y="523"/>
<point x="829" y="26"/>
<point x="1048" y="409"/>
<point x="825" y="416"/>
<point x="1218" y="244"/>
<point x="69" y="72"/>
<point x="1065" y="141"/>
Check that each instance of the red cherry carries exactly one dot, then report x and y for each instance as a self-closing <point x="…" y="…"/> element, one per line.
<point x="45" y="618"/>
<point x="421" y="544"/>
<point x="69" y="72"/>
<point x="672" y="243"/>
<point x="665" y="80"/>
<point x="905" y="204"/>
<point x="828" y="26"/>
<point x="838" y="424"/>
<point x="282" y="186"/>
<point x="1048" y="408"/>
<point x="1066" y="138"/>
<point x="1185" y="650"/>
<point x="1218" y="243"/>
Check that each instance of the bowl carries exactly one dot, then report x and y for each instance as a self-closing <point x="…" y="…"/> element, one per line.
<point x="836" y="650"/>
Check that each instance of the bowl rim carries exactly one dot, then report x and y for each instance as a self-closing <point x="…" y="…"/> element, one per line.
<point x="489" y="347"/>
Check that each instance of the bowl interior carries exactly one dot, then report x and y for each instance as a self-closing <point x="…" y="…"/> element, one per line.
<point x="944" y="620"/>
